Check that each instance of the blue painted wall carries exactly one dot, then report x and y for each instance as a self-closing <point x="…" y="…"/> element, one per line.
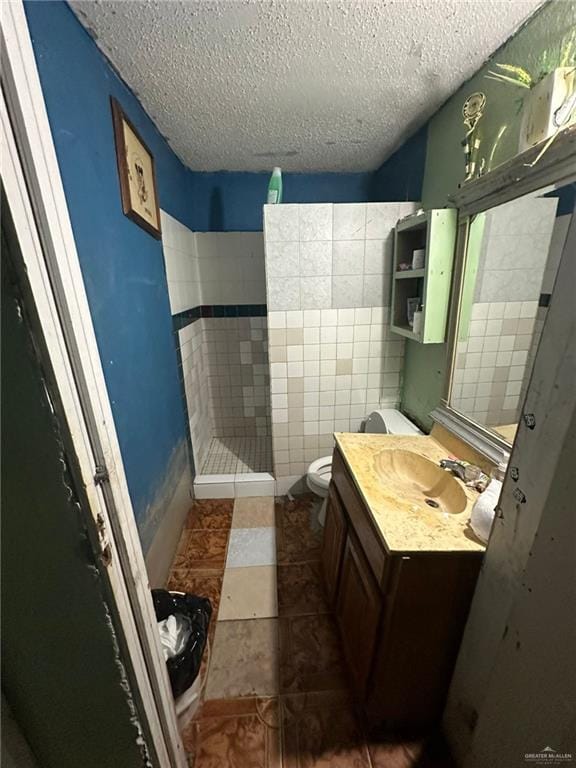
<point x="228" y="201"/>
<point x="401" y="176"/>
<point x="566" y="199"/>
<point x="232" y="201"/>
<point x="123" y="266"/>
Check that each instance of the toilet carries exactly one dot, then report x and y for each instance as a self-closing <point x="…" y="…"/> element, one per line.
<point x="387" y="421"/>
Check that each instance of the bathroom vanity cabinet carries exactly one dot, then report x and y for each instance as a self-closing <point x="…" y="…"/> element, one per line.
<point x="400" y="615"/>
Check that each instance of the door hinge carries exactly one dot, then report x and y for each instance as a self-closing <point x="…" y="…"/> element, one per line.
<point x="101" y="474"/>
<point x="103" y="541"/>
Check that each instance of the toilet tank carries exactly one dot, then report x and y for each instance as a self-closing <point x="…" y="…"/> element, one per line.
<point x="389" y="421"/>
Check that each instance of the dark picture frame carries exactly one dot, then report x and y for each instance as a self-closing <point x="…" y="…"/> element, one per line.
<point x="137" y="173"/>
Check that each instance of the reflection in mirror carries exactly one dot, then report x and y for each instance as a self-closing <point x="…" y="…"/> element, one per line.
<point x="511" y="262"/>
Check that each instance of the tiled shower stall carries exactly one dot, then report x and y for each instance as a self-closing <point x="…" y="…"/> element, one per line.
<point x="333" y="358"/>
<point x="283" y="339"/>
<point x="218" y="304"/>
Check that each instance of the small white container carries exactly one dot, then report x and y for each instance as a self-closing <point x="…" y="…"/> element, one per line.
<point x="417" y="324"/>
<point x="484" y="509"/>
<point x="418" y="257"/>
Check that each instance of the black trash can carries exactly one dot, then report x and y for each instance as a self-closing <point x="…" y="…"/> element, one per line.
<point x="184" y="667"/>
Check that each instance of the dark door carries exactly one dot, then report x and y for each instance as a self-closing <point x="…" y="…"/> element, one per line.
<point x="64" y="674"/>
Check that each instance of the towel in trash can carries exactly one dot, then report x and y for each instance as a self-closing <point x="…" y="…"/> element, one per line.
<point x="183" y="622"/>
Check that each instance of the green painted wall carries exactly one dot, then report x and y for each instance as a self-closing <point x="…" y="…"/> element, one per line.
<point x="425" y="365"/>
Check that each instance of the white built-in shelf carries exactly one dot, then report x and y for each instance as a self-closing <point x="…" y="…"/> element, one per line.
<point x="405" y="273"/>
<point x="407" y="332"/>
<point x="435" y="232"/>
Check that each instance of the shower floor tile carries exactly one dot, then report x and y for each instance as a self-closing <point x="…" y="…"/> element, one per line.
<point x="238" y="455"/>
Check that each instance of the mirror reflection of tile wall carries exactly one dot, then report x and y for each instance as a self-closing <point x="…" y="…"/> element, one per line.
<point x="517" y="257"/>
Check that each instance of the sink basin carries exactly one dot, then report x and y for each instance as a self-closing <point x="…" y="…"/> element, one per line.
<point x="417" y="480"/>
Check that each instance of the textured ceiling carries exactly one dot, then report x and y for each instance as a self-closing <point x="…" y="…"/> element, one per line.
<point x="311" y="85"/>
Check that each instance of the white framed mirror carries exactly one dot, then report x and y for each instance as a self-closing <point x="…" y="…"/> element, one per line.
<point x="511" y="234"/>
<point x="512" y="258"/>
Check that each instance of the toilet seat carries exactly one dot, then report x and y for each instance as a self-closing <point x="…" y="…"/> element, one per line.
<point x="383" y="421"/>
<point x="319" y="476"/>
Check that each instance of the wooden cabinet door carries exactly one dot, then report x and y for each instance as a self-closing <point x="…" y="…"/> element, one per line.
<point x="358" y="608"/>
<point x="333" y="543"/>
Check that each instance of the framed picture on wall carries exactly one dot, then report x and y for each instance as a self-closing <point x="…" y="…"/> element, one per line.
<point x="137" y="174"/>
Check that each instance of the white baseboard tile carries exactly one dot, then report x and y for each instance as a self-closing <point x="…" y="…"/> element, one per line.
<point x="214" y="486"/>
<point x="213" y="479"/>
<point x="233" y="486"/>
<point x="254" y="484"/>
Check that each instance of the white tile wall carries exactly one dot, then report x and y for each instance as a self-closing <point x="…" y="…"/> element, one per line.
<point x="332" y="357"/>
<point x="212" y="267"/>
<point x="231" y="267"/>
<point x="181" y="260"/>
<point x="196" y="387"/>
<point x="235" y="352"/>
<point x="224" y="360"/>
<point x="493" y="365"/>
<point x="515" y="250"/>
<point x="330" y="256"/>
<point x="226" y="380"/>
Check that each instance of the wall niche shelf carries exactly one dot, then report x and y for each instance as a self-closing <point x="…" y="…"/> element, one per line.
<point x="409" y="273"/>
<point x="433" y="231"/>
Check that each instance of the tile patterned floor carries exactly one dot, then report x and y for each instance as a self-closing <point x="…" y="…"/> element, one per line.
<point x="249" y="593"/>
<point x="198" y="582"/>
<point x="251" y="546"/>
<point x="276" y="694"/>
<point x="211" y="513"/>
<point x="257" y="512"/>
<point x="320" y="729"/>
<point x="310" y="657"/>
<point x="198" y="565"/>
<point x="202" y="549"/>
<point x="244" y="659"/>
<point x="301" y="590"/>
<point x="238" y="455"/>
<point x="240" y="733"/>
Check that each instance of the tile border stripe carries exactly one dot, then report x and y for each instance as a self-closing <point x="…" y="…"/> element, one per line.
<point x="188" y="316"/>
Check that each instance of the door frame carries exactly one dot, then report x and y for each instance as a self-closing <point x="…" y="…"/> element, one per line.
<point x="35" y="193"/>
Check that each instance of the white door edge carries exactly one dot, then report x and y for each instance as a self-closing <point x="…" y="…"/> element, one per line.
<point x="33" y="185"/>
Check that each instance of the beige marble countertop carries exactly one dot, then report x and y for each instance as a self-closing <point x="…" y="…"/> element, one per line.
<point x="406" y="526"/>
